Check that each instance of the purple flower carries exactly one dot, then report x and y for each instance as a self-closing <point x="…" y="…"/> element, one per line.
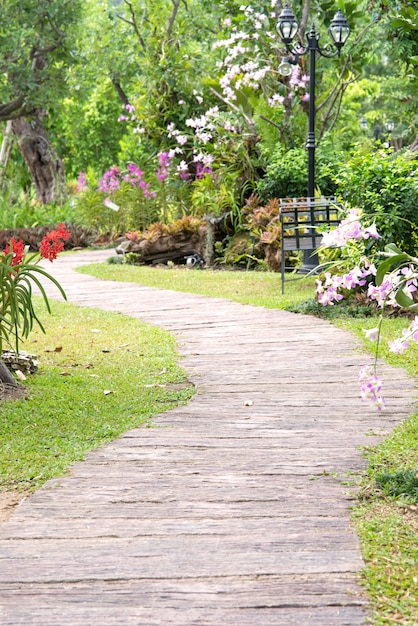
<point x="398" y="346"/>
<point x="110" y="181"/>
<point x="371" y="232"/>
<point x="134" y="176"/>
<point x="164" y="159"/>
<point x="372" y="333"/>
<point x="202" y="170"/>
<point x="81" y="183"/>
<point x="146" y="189"/>
<point x="371" y="387"/>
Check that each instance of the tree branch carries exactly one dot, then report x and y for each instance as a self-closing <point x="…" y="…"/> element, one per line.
<point x="132" y="22"/>
<point x="266" y="119"/>
<point x="247" y="119"/>
<point x="122" y="95"/>
<point x="176" y="5"/>
<point x="304" y="20"/>
<point x="12" y="109"/>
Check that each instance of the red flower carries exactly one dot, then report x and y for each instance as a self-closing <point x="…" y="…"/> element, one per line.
<point x="18" y="249"/>
<point x="63" y="233"/>
<point x="53" y="242"/>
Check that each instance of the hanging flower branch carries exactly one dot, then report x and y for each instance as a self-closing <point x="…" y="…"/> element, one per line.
<point x="391" y="282"/>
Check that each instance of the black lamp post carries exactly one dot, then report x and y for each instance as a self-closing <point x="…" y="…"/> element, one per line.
<point x="287" y="27"/>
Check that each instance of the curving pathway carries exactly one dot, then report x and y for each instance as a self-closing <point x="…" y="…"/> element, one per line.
<point x="235" y="510"/>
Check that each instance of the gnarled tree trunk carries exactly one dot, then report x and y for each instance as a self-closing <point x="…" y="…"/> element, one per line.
<point x="45" y="166"/>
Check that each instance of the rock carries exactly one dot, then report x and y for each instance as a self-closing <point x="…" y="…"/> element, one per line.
<point x="23" y="361"/>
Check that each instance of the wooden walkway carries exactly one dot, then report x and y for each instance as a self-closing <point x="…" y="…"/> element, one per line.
<point x="234" y="511"/>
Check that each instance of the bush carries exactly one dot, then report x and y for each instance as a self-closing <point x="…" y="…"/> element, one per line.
<point x="287" y="175"/>
<point x="385" y="186"/>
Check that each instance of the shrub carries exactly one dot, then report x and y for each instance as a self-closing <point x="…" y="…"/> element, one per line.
<point x="385" y="185"/>
<point x="287" y="175"/>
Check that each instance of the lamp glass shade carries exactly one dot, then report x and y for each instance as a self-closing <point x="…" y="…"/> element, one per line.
<point x="390" y="125"/>
<point x="339" y="29"/>
<point x="285" y="68"/>
<point x="287" y="24"/>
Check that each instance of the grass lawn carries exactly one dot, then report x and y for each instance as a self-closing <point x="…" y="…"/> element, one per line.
<point x="100" y="374"/>
<point x="387" y="523"/>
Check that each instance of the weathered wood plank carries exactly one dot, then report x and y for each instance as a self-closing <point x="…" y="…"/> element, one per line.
<point x="77" y="614"/>
<point x="286" y="527"/>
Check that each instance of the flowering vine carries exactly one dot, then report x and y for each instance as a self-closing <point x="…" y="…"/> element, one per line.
<point x="392" y="282"/>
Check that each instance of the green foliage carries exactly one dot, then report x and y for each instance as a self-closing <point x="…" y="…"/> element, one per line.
<point x="98" y="217"/>
<point x="42" y="33"/>
<point x="87" y="132"/>
<point x="287" y="175"/>
<point x="213" y="196"/>
<point x="345" y="309"/>
<point x="385" y="186"/>
<point x="24" y="211"/>
<point x="399" y="484"/>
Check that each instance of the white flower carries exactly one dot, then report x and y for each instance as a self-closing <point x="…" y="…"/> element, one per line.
<point x="371" y="333"/>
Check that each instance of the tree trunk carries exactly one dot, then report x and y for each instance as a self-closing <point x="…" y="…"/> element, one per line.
<point x="6" y="377"/>
<point x="414" y="145"/>
<point x="45" y="166"/>
<point x="5" y="150"/>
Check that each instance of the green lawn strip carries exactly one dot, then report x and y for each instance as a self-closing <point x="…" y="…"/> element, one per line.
<point x="100" y="374"/>
<point x="388" y="534"/>
<point x="386" y="524"/>
<point x="257" y="288"/>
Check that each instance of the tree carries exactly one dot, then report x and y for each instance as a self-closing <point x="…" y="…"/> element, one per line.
<point x="34" y="47"/>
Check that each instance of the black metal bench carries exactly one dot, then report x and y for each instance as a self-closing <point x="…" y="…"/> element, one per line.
<point x="301" y="222"/>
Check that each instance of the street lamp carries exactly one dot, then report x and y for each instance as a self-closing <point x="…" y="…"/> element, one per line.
<point x="364" y="124"/>
<point x="287" y="27"/>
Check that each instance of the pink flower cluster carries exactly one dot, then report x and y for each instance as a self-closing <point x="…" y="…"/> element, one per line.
<point x="245" y="43"/>
<point x="385" y="293"/>
<point x="371" y="386"/>
<point x="349" y="228"/>
<point x="81" y="182"/>
<point x="404" y="279"/>
<point x="402" y="343"/>
<point x="254" y="40"/>
<point x="399" y="345"/>
<point x="164" y="161"/>
<point x="328" y="290"/>
<point x="130" y="109"/>
<point x="134" y="175"/>
<point x="111" y="180"/>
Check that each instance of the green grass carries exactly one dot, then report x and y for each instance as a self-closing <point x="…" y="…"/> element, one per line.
<point x="85" y="355"/>
<point x="387" y="523"/>
<point x="257" y="288"/>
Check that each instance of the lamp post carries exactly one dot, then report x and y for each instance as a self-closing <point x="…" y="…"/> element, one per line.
<point x="287" y="27"/>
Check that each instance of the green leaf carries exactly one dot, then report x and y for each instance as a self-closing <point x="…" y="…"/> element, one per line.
<point x="391" y="248"/>
<point x="403" y="300"/>
<point x="385" y="267"/>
